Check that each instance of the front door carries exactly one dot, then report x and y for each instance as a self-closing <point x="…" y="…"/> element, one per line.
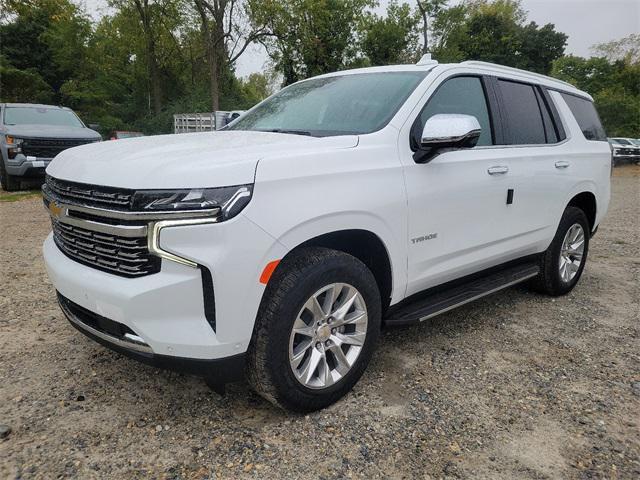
<point x="458" y="211"/>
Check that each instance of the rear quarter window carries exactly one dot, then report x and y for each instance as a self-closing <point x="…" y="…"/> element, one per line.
<point x="587" y="117"/>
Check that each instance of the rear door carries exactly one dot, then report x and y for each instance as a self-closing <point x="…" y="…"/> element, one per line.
<point x="540" y="161"/>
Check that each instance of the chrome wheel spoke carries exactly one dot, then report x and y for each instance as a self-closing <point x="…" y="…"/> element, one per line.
<point x="327" y="335"/>
<point x="341" y="312"/>
<point x="330" y="298"/>
<point x="302" y="328"/>
<point x="310" y="367"/>
<point x="299" y="353"/>
<point x="357" y="317"/>
<point x="326" y="377"/>
<point x="342" y="362"/>
<point x="356" y="339"/>
<point x="314" y="307"/>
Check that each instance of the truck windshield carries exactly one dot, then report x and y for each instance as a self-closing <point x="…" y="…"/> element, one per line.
<point x="340" y="105"/>
<point x="40" y="116"/>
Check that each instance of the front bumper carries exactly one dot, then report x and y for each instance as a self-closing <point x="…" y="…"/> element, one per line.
<point x="221" y="371"/>
<point x="167" y="310"/>
<point x="23" y="166"/>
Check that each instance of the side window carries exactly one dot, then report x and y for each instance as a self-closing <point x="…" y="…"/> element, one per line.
<point x="462" y="95"/>
<point x="524" y="118"/>
<point x="587" y="117"/>
<point x="549" y="127"/>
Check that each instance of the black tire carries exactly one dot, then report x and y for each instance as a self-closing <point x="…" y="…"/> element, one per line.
<point x="297" y="278"/>
<point x="10" y="183"/>
<point x="550" y="280"/>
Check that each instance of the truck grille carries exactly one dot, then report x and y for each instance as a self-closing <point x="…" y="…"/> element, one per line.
<point x="90" y="195"/>
<point x="49" y="147"/>
<point x="124" y="256"/>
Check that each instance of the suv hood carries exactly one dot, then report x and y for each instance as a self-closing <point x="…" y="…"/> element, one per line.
<point x="50" y="131"/>
<point x="191" y="160"/>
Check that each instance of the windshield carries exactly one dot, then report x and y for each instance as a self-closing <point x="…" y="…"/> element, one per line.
<point x="122" y="135"/>
<point x="40" y="116"/>
<point x="341" y="105"/>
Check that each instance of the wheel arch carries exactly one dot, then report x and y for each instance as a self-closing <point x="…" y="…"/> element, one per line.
<point x="586" y="201"/>
<point x="367" y="247"/>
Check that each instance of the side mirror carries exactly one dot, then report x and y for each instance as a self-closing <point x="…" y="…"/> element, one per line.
<point x="447" y="131"/>
<point x="94" y="126"/>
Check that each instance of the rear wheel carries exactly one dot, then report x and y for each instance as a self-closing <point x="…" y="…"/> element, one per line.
<point x="561" y="265"/>
<point x="10" y="183"/>
<point x="316" y="329"/>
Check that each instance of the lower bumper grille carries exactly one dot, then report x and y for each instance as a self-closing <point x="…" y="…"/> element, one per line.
<point x="102" y="327"/>
<point x="124" y="256"/>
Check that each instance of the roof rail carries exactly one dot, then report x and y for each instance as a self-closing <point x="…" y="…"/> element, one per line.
<point x="496" y="66"/>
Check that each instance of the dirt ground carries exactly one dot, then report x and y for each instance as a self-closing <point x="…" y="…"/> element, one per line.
<point x="514" y="386"/>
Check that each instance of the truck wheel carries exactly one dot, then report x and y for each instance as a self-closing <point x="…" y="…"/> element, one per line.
<point x="315" y="331"/>
<point x="10" y="183"/>
<point x="561" y="265"/>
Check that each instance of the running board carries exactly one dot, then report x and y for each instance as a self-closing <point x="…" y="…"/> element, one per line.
<point x="440" y="301"/>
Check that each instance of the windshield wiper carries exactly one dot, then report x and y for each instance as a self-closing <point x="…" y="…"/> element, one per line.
<point x="294" y="132"/>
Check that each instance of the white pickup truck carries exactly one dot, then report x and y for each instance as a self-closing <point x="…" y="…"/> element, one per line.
<point x="278" y="247"/>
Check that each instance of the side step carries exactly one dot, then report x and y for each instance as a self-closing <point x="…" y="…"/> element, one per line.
<point x="442" y="299"/>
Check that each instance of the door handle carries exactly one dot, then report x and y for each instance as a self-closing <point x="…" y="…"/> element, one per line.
<point x="562" y="164"/>
<point x="498" y="170"/>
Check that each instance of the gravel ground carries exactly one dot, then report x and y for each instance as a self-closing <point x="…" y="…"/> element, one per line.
<point x="514" y="386"/>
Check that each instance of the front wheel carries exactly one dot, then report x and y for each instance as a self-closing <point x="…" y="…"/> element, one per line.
<point x="316" y="329"/>
<point x="561" y="265"/>
<point x="10" y="183"/>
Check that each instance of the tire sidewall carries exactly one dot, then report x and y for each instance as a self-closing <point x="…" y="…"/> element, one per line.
<point x="338" y="269"/>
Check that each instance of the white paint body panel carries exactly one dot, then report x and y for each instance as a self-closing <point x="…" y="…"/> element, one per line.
<point x="305" y="187"/>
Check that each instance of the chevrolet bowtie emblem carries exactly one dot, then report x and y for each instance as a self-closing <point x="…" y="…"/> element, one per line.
<point x="55" y="209"/>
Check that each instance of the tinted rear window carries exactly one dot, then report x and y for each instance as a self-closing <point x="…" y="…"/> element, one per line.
<point x="587" y="117"/>
<point x="524" y="118"/>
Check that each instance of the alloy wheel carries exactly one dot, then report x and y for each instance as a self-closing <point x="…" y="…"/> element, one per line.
<point x="328" y="335"/>
<point x="571" y="253"/>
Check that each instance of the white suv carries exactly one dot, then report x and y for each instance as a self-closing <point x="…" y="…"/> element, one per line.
<point x="278" y="247"/>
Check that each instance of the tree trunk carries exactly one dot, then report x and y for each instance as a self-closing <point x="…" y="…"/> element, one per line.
<point x="156" y="86"/>
<point x="425" y="27"/>
<point x="214" y="65"/>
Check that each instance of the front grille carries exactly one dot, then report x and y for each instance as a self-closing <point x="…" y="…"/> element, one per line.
<point x="90" y="195"/>
<point x="124" y="256"/>
<point x="49" y="147"/>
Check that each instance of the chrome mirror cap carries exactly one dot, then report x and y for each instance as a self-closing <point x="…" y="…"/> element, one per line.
<point x="451" y="131"/>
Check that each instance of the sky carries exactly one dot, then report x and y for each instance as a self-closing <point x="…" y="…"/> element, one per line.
<point x="586" y="22"/>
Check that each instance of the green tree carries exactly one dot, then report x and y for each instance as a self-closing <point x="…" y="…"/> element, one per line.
<point x="391" y="39"/>
<point x="614" y="86"/>
<point x="495" y="31"/>
<point x="310" y="37"/>
<point x="228" y="27"/>
<point x="539" y="47"/>
<point x="22" y="85"/>
<point x="47" y="35"/>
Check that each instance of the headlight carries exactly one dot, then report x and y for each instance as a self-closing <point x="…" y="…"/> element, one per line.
<point x="616" y="151"/>
<point x="13" y="141"/>
<point x="230" y="200"/>
<point x="13" y="145"/>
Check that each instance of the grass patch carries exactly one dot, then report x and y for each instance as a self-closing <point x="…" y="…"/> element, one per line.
<point x="14" y="197"/>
